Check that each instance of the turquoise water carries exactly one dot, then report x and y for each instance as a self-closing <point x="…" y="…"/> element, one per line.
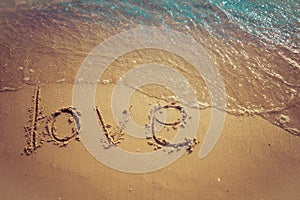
<point x="271" y="21"/>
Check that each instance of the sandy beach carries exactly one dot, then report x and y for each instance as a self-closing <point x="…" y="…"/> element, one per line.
<point x="254" y="158"/>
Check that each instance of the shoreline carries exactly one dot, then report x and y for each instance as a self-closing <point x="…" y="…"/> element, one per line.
<point x="33" y="49"/>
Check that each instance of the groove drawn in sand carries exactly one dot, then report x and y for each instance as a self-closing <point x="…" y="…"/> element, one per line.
<point x="115" y="136"/>
<point x="159" y="142"/>
<point x="36" y="114"/>
<point x="103" y="125"/>
<point x="51" y="128"/>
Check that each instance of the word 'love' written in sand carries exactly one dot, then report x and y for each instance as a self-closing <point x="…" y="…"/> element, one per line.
<point x="36" y="139"/>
